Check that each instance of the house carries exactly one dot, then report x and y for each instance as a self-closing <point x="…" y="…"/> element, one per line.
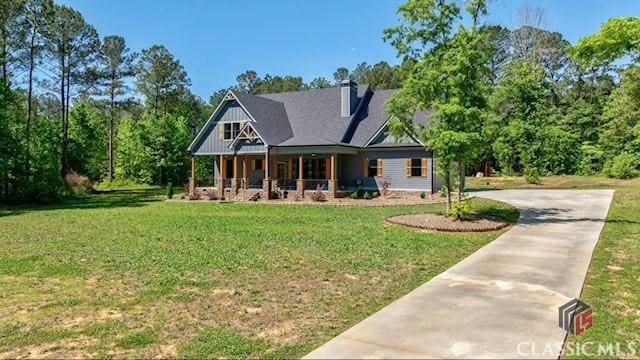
<point x="334" y="138"/>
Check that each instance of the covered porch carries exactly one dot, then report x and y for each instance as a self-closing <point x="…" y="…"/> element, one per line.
<point x="276" y="173"/>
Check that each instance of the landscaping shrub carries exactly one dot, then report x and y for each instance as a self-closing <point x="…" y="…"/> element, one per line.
<point x="375" y="194"/>
<point x="354" y="195"/>
<point x="367" y="195"/>
<point x="443" y="191"/>
<point x="461" y="210"/>
<point x="169" y="190"/>
<point x="623" y="166"/>
<point x="212" y="194"/>
<point x="532" y="175"/>
<point x="255" y="197"/>
<point x="423" y="195"/>
<point x="318" y="195"/>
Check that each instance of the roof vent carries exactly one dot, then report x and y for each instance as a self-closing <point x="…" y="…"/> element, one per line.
<point x="349" y="97"/>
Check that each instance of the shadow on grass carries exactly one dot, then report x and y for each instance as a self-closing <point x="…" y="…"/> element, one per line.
<point x="98" y="200"/>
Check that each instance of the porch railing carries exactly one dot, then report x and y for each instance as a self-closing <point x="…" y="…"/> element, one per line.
<point x="312" y="184"/>
<point x="287" y="185"/>
<point x="254" y="184"/>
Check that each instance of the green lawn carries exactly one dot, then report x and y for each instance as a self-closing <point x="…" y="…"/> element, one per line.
<point x="612" y="287"/>
<point x="126" y="274"/>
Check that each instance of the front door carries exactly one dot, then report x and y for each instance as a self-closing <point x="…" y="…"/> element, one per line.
<point x="282" y="171"/>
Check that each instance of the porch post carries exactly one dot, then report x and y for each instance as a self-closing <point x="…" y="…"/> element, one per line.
<point x="244" y="172"/>
<point x="300" y="182"/>
<point x="275" y="171"/>
<point x="266" y="186"/>
<point x="332" y="177"/>
<point x="234" y="179"/>
<point x="192" y="181"/>
<point x="222" y="167"/>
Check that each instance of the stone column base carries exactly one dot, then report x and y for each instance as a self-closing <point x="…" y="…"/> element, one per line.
<point x="331" y="193"/>
<point x="235" y="183"/>
<point x="300" y="188"/>
<point x="192" y="186"/>
<point x="266" y="189"/>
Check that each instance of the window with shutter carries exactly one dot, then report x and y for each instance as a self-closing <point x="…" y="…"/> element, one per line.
<point x="365" y="168"/>
<point x="379" y="163"/>
<point x="372" y="168"/>
<point x="423" y="170"/>
<point x="414" y="167"/>
<point x="407" y="166"/>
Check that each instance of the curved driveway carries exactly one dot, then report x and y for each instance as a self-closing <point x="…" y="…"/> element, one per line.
<point x="500" y="302"/>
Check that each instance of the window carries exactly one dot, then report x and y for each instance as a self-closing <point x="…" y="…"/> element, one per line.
<point x="231" y="130"/>
<point x="258" y="164"/>
<point x="314" y="169"/>
<point x="372" y="167"/>
<point x="416" y="167"/>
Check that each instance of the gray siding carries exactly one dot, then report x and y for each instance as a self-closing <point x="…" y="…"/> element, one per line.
<point x="232" y="112"/>
<point x="393" y="169"/>
<point x="211" y="142"/>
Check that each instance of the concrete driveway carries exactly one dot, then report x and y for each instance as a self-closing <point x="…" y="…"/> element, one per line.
<point x="500" y="302"/>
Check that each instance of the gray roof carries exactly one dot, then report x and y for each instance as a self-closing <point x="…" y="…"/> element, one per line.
<point x="271" y="120"/>
<point x="312" y="117"/>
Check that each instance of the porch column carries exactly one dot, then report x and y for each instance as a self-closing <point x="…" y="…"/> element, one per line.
<point x="300" y="181"/>
<point x="266" y="183"/>
<point x="244" y="172"/>
<point x="274" y="175"/>
<point x="332" y="175"/>
<point x="222" y="167"/>
<point x="234" y="179"/>
<point x="192" y="180"/>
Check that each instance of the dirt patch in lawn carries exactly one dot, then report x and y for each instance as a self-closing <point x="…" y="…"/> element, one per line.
<point x="442" y="223"/>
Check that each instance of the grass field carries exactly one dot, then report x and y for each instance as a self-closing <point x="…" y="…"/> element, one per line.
<point x="126" y="274"/>
<point x="612" y="286"/>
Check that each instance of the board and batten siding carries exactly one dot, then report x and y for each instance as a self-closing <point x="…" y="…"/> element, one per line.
<point x="394" y="167"/>
<point x="212" y="143"/>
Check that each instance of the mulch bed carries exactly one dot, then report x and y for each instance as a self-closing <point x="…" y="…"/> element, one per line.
<point x="442" y="223"/>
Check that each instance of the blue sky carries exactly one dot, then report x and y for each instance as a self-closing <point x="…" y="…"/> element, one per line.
<point x="217" y="40"/>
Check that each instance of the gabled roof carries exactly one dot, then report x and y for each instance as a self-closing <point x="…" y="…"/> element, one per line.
<point x="270" y="117"/>
<point x="312" y="117"/>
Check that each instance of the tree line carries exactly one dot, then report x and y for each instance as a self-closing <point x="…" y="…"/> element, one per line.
<point x="75" y="105"/>
<point x="517" y="101"/>
<point x="522" y="101"/>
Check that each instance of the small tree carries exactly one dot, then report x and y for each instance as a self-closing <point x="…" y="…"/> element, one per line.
<point x="451" y="76"/>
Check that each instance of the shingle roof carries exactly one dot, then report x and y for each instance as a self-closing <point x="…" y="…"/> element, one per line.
<point x="312" y="117"/>
<point x="271" y="120"/>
